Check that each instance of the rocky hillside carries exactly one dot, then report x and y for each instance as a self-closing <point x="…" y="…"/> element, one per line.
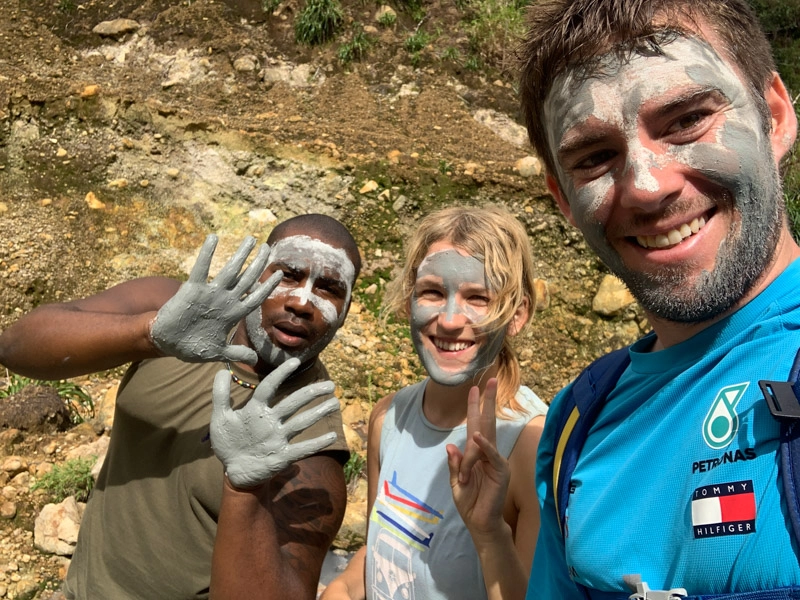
<point x="129" y="129"/>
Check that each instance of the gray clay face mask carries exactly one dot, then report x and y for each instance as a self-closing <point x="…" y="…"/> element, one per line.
<point x="724" y="175"/>
<point x="304" y="254"/>
<point x="451" y="290"/>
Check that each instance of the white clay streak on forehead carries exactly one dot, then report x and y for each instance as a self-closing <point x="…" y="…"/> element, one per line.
<point x="302" y="252"/>
<point x="616" y="98"/>
<point x="454" y="270"/>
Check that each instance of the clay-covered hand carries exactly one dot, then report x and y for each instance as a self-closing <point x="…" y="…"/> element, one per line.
<point x="480" y="476"/>
<point x="193" y="325"/>
<point x="253" y="441"/>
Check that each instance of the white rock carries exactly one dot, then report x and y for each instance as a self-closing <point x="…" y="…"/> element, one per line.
<point x="263" y="216"/>
<point x="530" y="166"/>
<point x="248" y="63"/>
<point x="612" y="297"/>
<point x="503" y="126"/>
<point x="383" y="10"/>
<point x="56" y="528"/>
<point x="116" y="27"/>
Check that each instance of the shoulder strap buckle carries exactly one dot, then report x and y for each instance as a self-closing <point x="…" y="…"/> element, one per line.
<point x="641" y="591"/>
<point x="782" y="399"/>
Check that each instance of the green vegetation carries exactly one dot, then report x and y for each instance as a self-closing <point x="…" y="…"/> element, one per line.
<point x="473" y="63"/>
<point x="356" y="48"/>
<point x="71" y="478"/>
<point x="781" y="21"/>
<point x="66" y="6"/>
<point x="318" y="22"/>
<point x="452" y="54"/>
<point x="413" y="8"/>
<point x="270" y="6"/>
<point x="414" y="45"/>
<point x="416" y="41"/>
<point x="495" y="28"/>
<point x="791" y="190"/>
<point x="354" y="468"/>
<point x="373" y="301"/>
<point x="78" y="402"/>
<point x="387" y="19"/>
<point x="14" y="383"/>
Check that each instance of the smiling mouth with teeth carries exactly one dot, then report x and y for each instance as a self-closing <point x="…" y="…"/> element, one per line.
<point x="672" y="237"/>
<point x="451" y="346"/>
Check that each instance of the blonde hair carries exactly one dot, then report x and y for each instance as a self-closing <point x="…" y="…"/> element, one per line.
<point x="494" y="236"/>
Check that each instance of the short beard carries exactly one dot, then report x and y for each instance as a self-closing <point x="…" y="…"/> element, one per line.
<point x="742" y="260"/>
<point x="272" y="354"/>
<point x="671" y="296"/>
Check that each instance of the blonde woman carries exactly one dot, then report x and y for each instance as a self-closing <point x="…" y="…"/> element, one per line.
<point x="452" y="502"/>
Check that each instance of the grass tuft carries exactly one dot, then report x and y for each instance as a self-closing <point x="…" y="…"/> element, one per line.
<point x="270" y="6"/>
<point x="318" y="22"/>
<point x="387" y="19"/>
<point x="416" y="42"/>
<point x="354" y="468"/>
<point x="356" y="48"/>
<point x="495" y="28"/>
<point x="71" y="478"/>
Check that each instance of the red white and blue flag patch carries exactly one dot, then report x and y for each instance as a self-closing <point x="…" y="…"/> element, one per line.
<point x="724" y="509"/>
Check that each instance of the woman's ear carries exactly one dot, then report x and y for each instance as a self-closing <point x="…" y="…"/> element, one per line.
<point x="520" y="318"/>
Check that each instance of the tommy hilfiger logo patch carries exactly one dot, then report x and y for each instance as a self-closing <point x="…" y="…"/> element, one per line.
<point x="724" y="509"/>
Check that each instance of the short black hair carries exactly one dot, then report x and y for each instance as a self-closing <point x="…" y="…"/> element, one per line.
<point x="324" y="228"/>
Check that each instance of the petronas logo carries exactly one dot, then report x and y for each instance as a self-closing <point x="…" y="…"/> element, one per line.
<point x="722" y="422"/>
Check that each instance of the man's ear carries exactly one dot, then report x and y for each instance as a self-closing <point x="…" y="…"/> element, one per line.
<point x="519" y="319"/>
<point x="563" y="205"/>
<point x="784" y="119"/>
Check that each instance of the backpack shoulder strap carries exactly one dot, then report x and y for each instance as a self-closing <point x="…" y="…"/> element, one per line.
<point x="583" y="401"/>
<point x="783" y="400"/>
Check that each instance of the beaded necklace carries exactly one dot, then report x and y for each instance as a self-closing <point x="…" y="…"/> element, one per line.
<point x="239" y="380"/>
<point x="246" y="384"/>
<point x="236" y="379"/>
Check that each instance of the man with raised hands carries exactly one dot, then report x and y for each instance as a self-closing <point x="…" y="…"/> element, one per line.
<point x="253" y="335"/>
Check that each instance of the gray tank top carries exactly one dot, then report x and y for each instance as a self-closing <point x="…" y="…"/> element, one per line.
<point x="418" y="546"/>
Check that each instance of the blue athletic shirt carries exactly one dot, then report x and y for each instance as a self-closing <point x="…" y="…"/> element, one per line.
<point x="678" y="480"/>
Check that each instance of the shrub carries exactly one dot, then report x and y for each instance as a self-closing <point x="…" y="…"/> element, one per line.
<point x="413" y="8"/>
<point x="318" y="22"/>
<point x="387" y="19"/>
<point x="781" y="22"/>
<point x="473" y="63"/>
<point x="452" y="54"/>
<point x="791" y="191"/>
<point x="416" y="42"/>
<point x="270" y="6"/>
<point x="355" y="49"/>
<point x="78" y="402"/>
<point x="71" y="478"/>
<point x="354" y="468"/>
<point x="495" y="28"/>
